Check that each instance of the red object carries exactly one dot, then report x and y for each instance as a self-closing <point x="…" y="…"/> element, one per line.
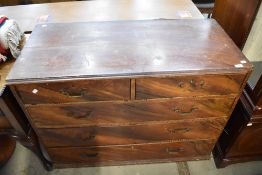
<point x="2" y="49"/>
<point x="2" y="20"/>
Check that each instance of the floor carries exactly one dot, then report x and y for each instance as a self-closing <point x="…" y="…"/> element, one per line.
<point x="23" y="162"/>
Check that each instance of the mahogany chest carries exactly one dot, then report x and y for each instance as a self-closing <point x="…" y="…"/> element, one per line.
<point x="110" y="93"/>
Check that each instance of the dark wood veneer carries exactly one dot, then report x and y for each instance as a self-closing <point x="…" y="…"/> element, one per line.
<point x="128" y="91"/>
<point x="125" y="113"/>
<point x="126" y="48"/>
<point x="75" y="91"/>
<point x="146" y="133"/>
<point x="119" y="154"/>
<point x="188" y="86"/>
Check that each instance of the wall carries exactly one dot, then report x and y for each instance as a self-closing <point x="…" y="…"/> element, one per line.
<point x="253" y="46"/>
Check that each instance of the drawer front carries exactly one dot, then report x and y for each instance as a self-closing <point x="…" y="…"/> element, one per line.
<point x="102" y="136"/>
<point x="99" y="155"/>
<point x="123" y="113"/>
<point x="188" y="86"/>
<point x="74" y="91"/>
<point x="249" y="141"/>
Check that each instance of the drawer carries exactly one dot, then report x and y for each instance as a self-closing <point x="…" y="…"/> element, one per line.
<point x="188" y="86"/>
<point x="125" y="113"/>
<point x="74" y="91"/>
<point x="102" y="136"/>
<point x="99" y="155"/>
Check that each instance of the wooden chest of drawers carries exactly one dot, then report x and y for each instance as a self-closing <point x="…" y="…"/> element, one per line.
<point x="125" y="92"/>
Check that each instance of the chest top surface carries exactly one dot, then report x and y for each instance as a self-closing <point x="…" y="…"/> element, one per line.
<point x="126" y="48"/>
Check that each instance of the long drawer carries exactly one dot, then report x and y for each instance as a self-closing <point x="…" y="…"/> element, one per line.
<point x="123" y="113"/>
<point x="102" y="136"/>
<point x="74" y="91"/>
<point x="188" y="86"/>
<point x="100" y="155"/>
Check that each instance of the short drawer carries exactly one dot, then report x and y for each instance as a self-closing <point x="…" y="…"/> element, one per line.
<point x="74" y="91"/>
<point x="103" y="136"/>
<point x="188" y="86"/>
<point x="99" y="155"/>
<point x="125" y="113"/>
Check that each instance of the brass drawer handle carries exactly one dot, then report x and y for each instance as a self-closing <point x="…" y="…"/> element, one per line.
<point x="174" y="151"/>
<point x="192" y="83"/>
<point x="181" y="84"/>
<point x="86" y="115"/>
<point x="202" y="83"/>
<point x="177" y="110"/>
<point x="178" y="130"/>
<point x="89" y="155"/>
<point x="78" y="115"/>
<point x="79" y="94"/>
<point x="90" y="137"/>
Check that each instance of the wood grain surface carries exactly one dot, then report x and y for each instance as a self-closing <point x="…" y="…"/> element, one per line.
<point x="145" y="133"/>
<point x="126" y="48"/>
<point x="100" y="155"/>
<point x="126" y="91"/>
<point x="162" y="88"/>
<point x="188" y="86"/>
<point x="126" y="113"/>
<point x="75" y="91"/>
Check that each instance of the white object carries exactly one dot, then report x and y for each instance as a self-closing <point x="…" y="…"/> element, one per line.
<point x="239" y="65"/>
<point x="10" y="36"/>
<point x="34" y="91"/>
